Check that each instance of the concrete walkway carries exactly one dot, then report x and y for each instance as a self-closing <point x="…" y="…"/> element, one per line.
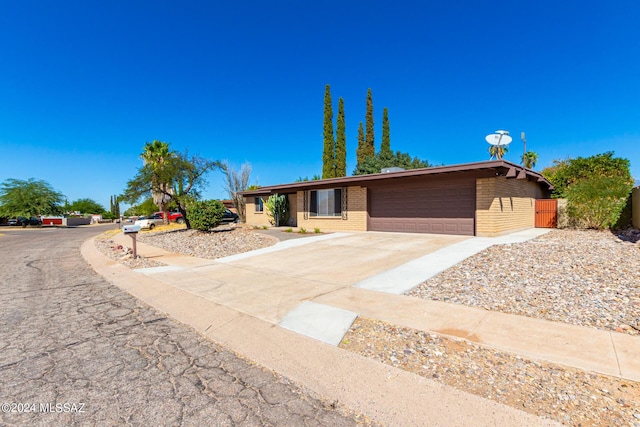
<point x="323" y="283"/>
<point x="407" y="276"/>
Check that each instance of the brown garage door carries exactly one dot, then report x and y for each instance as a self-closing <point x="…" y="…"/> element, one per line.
<point x="437" y="207"/>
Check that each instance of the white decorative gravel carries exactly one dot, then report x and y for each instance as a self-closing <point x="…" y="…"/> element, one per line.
<point x="581" y="277"/>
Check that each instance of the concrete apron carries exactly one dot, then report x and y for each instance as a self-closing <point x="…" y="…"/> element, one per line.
<point x="385" y="394"/>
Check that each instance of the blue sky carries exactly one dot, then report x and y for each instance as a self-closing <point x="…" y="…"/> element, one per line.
<point x="83" y="85"/>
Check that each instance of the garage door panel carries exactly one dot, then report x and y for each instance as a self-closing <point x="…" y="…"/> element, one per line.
<point x="436" y="228"/>
<point x="445" y="208"/>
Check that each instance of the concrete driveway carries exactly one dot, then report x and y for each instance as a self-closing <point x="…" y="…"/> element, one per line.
<point x="271" y="282"/>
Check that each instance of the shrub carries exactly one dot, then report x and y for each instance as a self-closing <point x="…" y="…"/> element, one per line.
<point x="302" y="231"/>
<point x="205" y="215"/>
<point x="110" y="215"/>
<point x="288" y="230"/>
<point x="277" y="208"/>
<point x="565" y="173"/>
<point x="598" y="201"/>
<point x="316" y="230"/>
<point x="596" y="188"/>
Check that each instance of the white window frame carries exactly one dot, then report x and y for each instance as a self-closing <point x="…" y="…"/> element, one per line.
<point x="326" y="203"/>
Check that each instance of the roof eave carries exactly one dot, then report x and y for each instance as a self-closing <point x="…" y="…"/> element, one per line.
<point x="507" y="167"/>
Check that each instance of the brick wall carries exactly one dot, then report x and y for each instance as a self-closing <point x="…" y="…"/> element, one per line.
<point x="253" y="217"/>
<point x="356" y="214"/>
<point x="263" y="218"/>
<point x="504" y="205"/>
<point x="293" y="210"/>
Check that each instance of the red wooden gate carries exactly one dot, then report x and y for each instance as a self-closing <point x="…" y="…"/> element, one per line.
<point x="547" y="213"/>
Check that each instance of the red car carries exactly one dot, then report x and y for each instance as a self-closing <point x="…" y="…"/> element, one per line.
<point x="173" y="216"/>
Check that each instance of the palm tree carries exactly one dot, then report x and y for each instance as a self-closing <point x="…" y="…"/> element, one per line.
<point x="497" y="151"/>
<point x="155" y="155"/>
<point x="529" y="159"/>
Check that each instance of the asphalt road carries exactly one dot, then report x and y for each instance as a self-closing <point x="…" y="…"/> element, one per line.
<point x="75" y="350"/>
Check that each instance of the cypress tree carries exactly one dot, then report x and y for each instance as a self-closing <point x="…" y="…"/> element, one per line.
<point x="328" y="155"/>
<point x="116" y="206"/>
<point x="369" y="139"/>
<point x="385" y="147"/>
<point x="341" y="143"/>
<point x="360" y="151"/>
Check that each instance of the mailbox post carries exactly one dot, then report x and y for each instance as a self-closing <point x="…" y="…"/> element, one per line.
<point x="132" y="230"/>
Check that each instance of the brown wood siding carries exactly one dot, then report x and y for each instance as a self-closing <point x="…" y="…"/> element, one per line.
<point x="441" y="206"/>
<point x="546" y="213"/>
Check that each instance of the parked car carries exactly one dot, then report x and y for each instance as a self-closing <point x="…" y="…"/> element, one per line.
<point x="229" y="216"/>
<point x="149" y="221"/>
<point x="23" y="221"/>
<point x="173" y="216"/>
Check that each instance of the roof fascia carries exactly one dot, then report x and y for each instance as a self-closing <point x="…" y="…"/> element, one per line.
<point x="501" y="165"/>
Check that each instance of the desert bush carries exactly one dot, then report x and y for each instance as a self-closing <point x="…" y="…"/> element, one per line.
<point x="596" y="188"/>
<point x="565" y="173"/>
<point x="205" y="215"/>
<point x="598" y="201"/>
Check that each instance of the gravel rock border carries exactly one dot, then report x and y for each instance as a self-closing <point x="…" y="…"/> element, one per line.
<point x="124" y="254"/>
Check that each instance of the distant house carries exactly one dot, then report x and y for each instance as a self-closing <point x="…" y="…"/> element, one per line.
<point x="482" y="199"/>
<point x="229" y="205"/>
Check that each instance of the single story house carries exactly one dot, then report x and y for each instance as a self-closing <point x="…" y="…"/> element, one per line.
<point x="477" y="199"/>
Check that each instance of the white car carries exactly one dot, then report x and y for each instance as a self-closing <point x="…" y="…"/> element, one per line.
<point x="149" y="221"/>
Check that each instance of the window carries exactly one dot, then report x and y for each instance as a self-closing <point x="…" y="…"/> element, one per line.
<point x="259" y="207"/>
<point x="326" y="202"/>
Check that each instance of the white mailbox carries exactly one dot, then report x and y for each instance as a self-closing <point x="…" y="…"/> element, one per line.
<point x="126" y="229"/>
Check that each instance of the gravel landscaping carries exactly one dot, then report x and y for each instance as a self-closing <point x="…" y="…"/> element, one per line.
<point x="123" y="254"/>
<point x="223" y="241"/>
<point x="220" y="242"/>
<point x="582" y="277"/>
<point x="567" y="395"/>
